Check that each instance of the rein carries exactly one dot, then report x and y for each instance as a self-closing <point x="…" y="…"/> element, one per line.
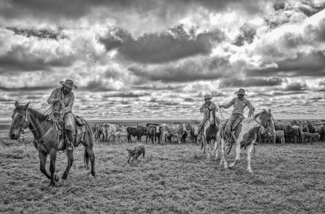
<point x="48" y="110"/>
<point x="264" y="127"/>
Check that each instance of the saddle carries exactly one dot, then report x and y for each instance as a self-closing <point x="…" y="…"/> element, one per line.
<point x="234" y="125"/>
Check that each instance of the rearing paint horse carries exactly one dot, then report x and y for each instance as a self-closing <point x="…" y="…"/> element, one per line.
<point x="209" y="132"/>
<point x="46" y="139"/>
<point x="245" y="136"/>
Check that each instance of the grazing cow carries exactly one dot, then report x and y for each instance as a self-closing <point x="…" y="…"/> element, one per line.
<point x="279" y="134"/>
<point x="175" y="130"/>
<point x="315" y="137"/>
<point x="194" y="132"/>
<point x="151" y="134"/>
<point x="139" y="131"/>
<point x="306" y="137"/>
<point x="113" y="130"/>
<point x="311" y="128"/>
<point x="321" y="131"/>
<point x="304" y="129"/>
<point x="264" y="136"/>
<point x="98" y="131"/>
<point x="297" y="136"/>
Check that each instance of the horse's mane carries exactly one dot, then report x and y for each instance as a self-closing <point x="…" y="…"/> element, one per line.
<point x="37" y="114"/>
<point x="251" y="119"/>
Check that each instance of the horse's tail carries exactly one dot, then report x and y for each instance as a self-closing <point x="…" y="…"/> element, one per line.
<point x="86" y="158"/>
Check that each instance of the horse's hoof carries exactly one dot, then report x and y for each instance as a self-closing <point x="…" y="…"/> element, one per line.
<point x="52" y="184"/>
<point x="250" y="171"/>
<point x="56" y="178"/>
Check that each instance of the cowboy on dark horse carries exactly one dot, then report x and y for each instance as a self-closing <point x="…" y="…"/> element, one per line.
<point x="65" y="95"/>
<point x="239" y="104"/>
<point x="205" y="108"/>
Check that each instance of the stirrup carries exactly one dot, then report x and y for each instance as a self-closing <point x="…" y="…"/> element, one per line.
<point x="61" y="143"/>
<point x="70" y="146"/>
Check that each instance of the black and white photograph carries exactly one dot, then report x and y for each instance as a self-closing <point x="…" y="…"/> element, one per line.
<point x="162" y="106"/>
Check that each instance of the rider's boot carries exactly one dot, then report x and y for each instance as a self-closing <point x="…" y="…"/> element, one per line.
<point x="228" y="138"/>
<point x="69" y="140"/>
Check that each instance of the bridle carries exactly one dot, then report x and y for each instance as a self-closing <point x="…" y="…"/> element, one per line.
<point x="264" y="127"/>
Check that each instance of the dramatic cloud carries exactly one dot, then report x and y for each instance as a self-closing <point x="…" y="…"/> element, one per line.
<point x="161" y="48"/>
<point x="251" y="82"/>
<point x="148" y="58"/>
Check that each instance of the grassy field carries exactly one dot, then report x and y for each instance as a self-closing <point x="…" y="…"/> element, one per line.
<point x="171" y="179"/>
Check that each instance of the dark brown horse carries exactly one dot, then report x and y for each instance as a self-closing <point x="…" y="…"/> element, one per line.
<point x="46" y="139"/>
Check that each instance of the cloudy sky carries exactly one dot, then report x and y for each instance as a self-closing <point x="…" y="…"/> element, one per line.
<point x="157" y="59"/>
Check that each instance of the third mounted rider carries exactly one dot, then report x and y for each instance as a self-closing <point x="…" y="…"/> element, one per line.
<point x="239" y="104"/>
<point x="205" y="108"/>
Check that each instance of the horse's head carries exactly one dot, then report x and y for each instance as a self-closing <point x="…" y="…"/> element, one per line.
<point x="121" y="128"/>
<point x="20" y="120"/>
<point x="266" y="120"/>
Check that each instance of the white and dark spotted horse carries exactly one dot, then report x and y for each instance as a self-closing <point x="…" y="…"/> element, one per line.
<point x="245" y="134"/>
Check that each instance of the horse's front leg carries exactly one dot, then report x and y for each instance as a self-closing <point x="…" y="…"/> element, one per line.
<point x="52" y="167"/>
<point x="249" y="157"/>
<point x="237" y="159"/>
<point x="42" y="159"/>
<point x="70" y="161"/>
<point x="223" y="151"/>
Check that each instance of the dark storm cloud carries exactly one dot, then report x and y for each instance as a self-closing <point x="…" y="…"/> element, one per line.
<point x="251" y="82"/>
<point x="35" y="88"/>
<point x="277" y="93"/>
<point x="303" y="65"/>
<point x="76" y="8"/>
<point x="296" y="86"/>
<point x="171" y="74"/>
<point x="97" y="86"/>
<point x="126" y="95"/>
<point x="42" y="33"/>
<point x="247" y="34"/>
<point x="209" y="68"/>
<point x="158" y="88"/>
<point x="21" y="59"/>
<point x="161" y="48"/>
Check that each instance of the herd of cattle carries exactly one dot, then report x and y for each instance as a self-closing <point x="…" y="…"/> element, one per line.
<point x="285" y="132"/>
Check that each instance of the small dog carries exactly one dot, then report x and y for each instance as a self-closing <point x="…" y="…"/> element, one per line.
<point x="136" y="152"/>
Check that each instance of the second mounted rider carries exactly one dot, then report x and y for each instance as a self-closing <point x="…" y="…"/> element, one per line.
<point x="239" y="103"/>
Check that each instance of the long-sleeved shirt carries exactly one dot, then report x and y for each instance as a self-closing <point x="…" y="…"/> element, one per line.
<point x="67" y="99"/>
<point x="239" y="106"/>
<point x="205" y="107"/>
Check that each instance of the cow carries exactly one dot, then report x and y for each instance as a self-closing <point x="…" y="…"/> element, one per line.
<point x="169" y="131"/>
<point x="151" y="134"/>
<point x="98" y="131"/>
<point x="113" y="130"/>
<point x="306" y="136"/>
<point x="264" y="136"/>
<point x="321" y="131"/>
<point x="311" y="128"/>
<point x="279" y="134"/>
<point x="138" y="131"/>
<point x="315" y="137"/>
<point x="194" y="132"/>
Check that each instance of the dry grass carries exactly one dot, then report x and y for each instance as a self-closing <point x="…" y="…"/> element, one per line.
<point x="171" y="179"/>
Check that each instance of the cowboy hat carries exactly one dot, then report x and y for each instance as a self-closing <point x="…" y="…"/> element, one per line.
<point x="240" y="91"/>
<point x="68" y="83"/>
<point x="207" y="96"/>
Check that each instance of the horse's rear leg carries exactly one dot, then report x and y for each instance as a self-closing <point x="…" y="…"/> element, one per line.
<point x="42" y="158"/>
<point x="52" y="167"/>
<point x="249" y="157"/>
<point x="70" y="162"/>
<point x="89" y="154"/>
<point x="237" y="159"/>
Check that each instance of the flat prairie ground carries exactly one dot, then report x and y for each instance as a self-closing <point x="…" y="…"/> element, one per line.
<point x="172" y="178"/>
